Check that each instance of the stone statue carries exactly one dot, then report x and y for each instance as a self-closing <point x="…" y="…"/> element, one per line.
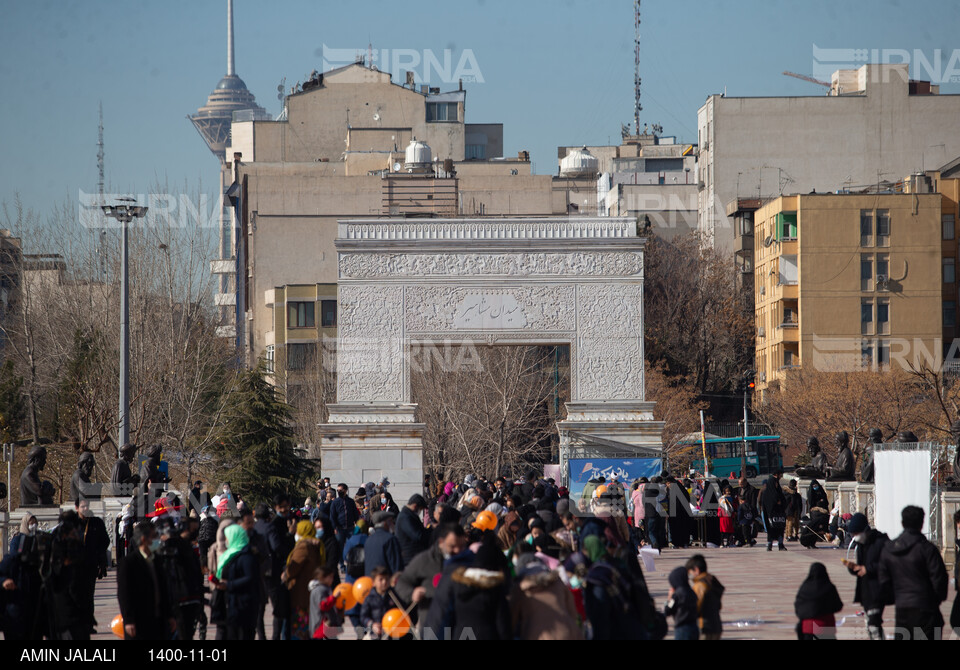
<point x="866" y="468"/>
<point x="907" y="437"/>
<point x="33" y="492"/>
<point x="150" y="470"/>
<point x="818" y="461"/>
<point x="122" y="479"/>
<point x="80" y="484"/>
<point x="843" y="470"/>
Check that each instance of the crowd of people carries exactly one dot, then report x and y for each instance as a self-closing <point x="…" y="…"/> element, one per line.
<point x="477" y="559"/>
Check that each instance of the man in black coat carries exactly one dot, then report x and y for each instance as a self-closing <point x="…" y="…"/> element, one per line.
<point x="180" y="569"/>
<point x="412" y="535"/>
<point x="280" y="541"/>
<point x="142" y="590"/>
<point x="870" y="545"/>
<point x="416" y="583"/>
<point x="95" y="542"/>
<point x="911" y="565"/>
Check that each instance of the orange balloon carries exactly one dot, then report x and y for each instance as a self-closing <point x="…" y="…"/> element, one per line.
<point x="486" y="520"/>
<point x="117" y="626"/>
<point x="361" y="588"/>
<point x="345" y="599"/>
<point x="395" y="623"/>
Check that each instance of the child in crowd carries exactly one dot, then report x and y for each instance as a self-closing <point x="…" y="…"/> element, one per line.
<point x="682" y="606"/>
<point x="377" y="603"/>
<point x="325" y="619"/>
<point x="709" y="592"/>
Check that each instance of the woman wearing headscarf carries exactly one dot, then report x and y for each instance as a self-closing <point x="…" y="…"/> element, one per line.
<point x="323" y="528"/>
<point x="20" y="617"/>
<point x="507" y="535"/>
<point x="773" y="506"/>
<point x="218" y="601"/>
<point x="308" y="554"/>
<point x="817" y="601"/>
<point x="238" y="572"/>
<point x="816" y="496"/>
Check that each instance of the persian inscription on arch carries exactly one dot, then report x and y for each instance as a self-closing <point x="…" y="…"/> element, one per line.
<point x="439" y="309"/>
<point x="583" y="264"/>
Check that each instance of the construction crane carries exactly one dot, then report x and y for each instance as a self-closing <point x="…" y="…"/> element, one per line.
<point x="806" y="78"/>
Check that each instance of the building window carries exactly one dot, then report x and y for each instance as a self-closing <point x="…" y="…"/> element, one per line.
<point x="866" y="318"/>
<point x="949" y="270"/>
<point x="948" y="227"/>
<point x="866" y="228"/>
<point x="268" y="358"/>
<point x="866" y="354"/>
<point x="787" y="226"/>
<point x="866" y="272"/>
<point x="883" y="227"/>
<point x="300" y="355"/>
<point x="475" y="151"/>
<point x="328" y="313"/>
<point x="300" y="315"/>
<point x="883" y="271"/>
<point x="883" y="353"/>
<point x="442" y="111"/>
<point x="746" y="223"/>
<point x="883" y="317"/>
<point x="949" y="313"/>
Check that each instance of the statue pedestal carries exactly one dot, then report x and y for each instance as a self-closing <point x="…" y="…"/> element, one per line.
<point x="367" y="441"/>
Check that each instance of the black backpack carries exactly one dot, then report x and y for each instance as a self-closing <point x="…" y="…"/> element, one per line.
<point x="356" y="561"/>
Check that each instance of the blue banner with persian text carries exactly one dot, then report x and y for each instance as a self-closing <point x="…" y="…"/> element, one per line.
<point x="582" y="470"/>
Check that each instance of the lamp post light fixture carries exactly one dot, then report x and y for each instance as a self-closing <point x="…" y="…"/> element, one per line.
<point x="125" y="212"/>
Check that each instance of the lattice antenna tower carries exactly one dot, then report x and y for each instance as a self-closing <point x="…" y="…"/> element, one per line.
<point x="637" y="107"/>
<point x="102" y="246"/>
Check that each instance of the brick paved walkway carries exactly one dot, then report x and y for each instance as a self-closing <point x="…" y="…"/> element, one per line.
<point x="757" y="604"/>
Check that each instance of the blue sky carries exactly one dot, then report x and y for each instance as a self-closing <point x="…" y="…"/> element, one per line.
<point x="555" y="71"/>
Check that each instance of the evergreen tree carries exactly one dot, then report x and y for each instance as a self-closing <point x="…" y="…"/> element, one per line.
<point x="259" y="452"/>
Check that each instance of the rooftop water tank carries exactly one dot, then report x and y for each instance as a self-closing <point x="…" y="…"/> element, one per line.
<point x="579" y="163"/>
<point x="418" y="157"/>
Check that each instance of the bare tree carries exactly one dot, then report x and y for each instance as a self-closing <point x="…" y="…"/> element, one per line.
<point x="487" y="408"/>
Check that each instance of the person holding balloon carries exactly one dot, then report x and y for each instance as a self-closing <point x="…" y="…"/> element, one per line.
<point x="378" y="602"/>
<point x="325" y="606"/>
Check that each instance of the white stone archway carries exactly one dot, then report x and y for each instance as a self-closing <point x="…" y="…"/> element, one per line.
<point x="553" y="280"/>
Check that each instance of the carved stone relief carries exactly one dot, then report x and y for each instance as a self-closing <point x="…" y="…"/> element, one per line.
<point x="575" y="264"/>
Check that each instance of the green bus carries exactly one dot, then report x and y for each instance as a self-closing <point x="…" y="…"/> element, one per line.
<point x="724" y="453"/>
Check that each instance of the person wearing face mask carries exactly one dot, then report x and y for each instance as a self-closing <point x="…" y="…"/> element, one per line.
<point x="142" y="591"/>
<point x="343" y="516"/>
<point x="94" y="542"/>
<point x="870" y="544"/>
<point x="416" y="582"/>
<point x="324" y="532"/>
<point x="20" y="583"/>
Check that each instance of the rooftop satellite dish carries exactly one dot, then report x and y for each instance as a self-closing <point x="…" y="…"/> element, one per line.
<point x="376" y="116"/>
<point x="396" y="167"/>
<point x="767" y="242"/>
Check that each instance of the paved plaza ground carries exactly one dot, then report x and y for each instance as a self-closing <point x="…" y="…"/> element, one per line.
<point x="757" y="604"/>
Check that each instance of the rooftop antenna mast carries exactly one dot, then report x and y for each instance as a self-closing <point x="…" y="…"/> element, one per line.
<point x="231" y="70"/>
<point x="637" y="107"/>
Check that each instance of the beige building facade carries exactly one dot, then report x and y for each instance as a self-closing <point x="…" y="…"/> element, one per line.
<point x="874" y="126"/>
<point x="854" y="281"/>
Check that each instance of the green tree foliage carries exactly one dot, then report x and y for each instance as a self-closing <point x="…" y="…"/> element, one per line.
<point x="259" y="454"/>
<point x="13" y="409"/>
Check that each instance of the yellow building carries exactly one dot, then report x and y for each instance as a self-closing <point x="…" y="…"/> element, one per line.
<point x="300" y="345"/>
<point x="856" y="281"/>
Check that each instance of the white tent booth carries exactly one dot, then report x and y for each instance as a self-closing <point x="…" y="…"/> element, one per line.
<point x="907" y="474"/>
